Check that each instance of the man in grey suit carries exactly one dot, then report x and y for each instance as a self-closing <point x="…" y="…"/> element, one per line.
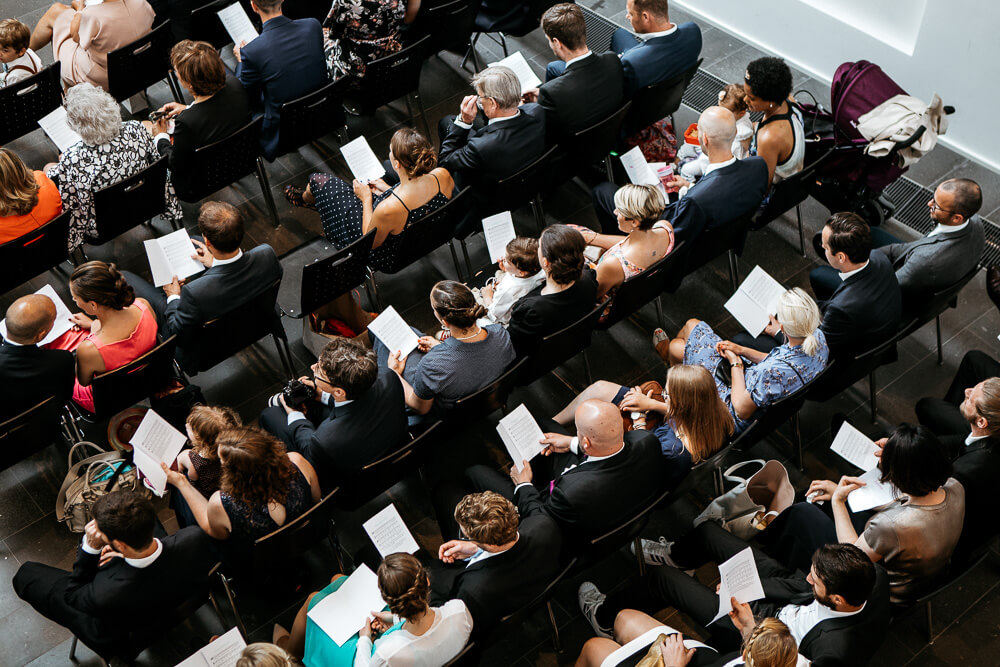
<point x="231" y="278"/>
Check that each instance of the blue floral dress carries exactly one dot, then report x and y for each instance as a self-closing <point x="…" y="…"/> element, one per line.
<point x="785" y="369"/>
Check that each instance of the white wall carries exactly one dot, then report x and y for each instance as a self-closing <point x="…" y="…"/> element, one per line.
<point x="953" y="50"/>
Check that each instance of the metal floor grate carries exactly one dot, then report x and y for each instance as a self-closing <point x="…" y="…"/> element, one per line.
<point x="909" y="196"/>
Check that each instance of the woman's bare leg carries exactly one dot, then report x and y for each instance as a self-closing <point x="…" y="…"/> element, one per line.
<point x="630" y="624"/>
<point x="595" y="651"/>
<point x="307" y="196"/>
<point x="296" y="642"/>
<point x="602" y="390"/>
<point x="42" y="34"/>
<point x="672" y="352"/>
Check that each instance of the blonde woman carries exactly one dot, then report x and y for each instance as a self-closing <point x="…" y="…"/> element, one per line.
<point x="262" y="654"/>
<point x="648" y="239"/>
<point x="696" y="423"/>
<point x="28" y="199"/>
<point x="773" y="375"/>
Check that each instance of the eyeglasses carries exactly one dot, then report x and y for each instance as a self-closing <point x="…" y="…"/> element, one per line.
<point x="936" y="207"/>
<point x="317" y="376"/>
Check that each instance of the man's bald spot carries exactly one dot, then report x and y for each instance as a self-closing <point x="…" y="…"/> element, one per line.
<point x="718" y="124"/>
<point x="601" y="423"/>
<point x="29" y="316"/>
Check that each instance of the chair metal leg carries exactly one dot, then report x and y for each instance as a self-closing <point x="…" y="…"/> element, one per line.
<point x="536" y="208"/>
<point x="937" y="325"/>
<point x="454" y="258"/>
<point x="285" y="355"/>
<point x="930" y="624"/>
<point x="556" y="644"/>
<point x="371" y="286"/>
<point x="793" y="424"/>
<point x="658" y="302"/>
<point x="409" y="110"/>
<point x="423" y="112"/>
<point x="609" y="168"/>
<point x="503" y="43"/>
<point x="342" y="135"/>
<point x="265" y="187"/>
<point x="718" y="482"/>
<point x="637" y="547"/>
<point x="802" y="236"/>
<point x="232" y="605"/>
<point x="586" y="368"/>
<point x="734" y="271"/>
<point x="468" y="263"/>
<point x="472" y="52"/>
<point x="175" y="88"/>
<point x="871" y="396"/>
<point x="72" y="649"/>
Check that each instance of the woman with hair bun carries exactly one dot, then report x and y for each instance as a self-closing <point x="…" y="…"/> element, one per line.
<point x="114" y="328"/>
<point x="425" y="636"/>
<point x="438" y="373"/>
<point x="349" y="211"/>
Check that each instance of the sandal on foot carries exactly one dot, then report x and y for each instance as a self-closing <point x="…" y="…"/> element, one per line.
<point x="659" y="335"/>
<point x="294" y="197"/>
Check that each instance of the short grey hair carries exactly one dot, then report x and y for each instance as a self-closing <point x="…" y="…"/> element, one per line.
<point x="501" y="84"/>
<point x="93" y="114"/>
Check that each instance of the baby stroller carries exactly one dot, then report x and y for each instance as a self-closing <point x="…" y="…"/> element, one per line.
<point x="843" y="177"/>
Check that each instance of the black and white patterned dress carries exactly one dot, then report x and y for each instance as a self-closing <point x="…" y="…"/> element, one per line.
<point x="83" y="169"/>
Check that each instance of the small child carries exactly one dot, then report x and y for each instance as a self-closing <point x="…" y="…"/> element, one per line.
<point x="17" y="61"/>
<point x="519" y="273"/>
<point x="691" y="158"/>
<point x="201" y="463"/>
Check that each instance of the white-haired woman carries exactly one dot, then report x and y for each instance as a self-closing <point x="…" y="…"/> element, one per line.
<point x="772" y="375"/>
<point x="648" y="240"/>
<point x="110" y="151"/>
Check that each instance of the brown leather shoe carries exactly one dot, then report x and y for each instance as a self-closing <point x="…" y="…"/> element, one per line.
<point x="993" y="284"/>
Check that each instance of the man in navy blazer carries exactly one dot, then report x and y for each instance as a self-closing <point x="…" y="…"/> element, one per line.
<point x="661" y="51"/>
<point x="284" y="63"/>
<point x="728" y="190"/>
<point x="231" y="278"/>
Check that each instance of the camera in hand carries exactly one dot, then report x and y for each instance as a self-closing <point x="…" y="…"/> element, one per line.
<point x="296" y="393"/>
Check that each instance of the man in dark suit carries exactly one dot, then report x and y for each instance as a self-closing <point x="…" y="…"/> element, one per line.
<point x="568" y="100"/>
<point x="511" y="139"/>
<point x="124" y="579"/>
<point x="284" y="63"/>
<point x="30" y="373"/>
<point x="509" y="560"/>
<point x="944" y="416"/>
<point x="357" y="416"/>
<point x="662" y="50"/>
<point x="222" y="108"/>
<point x="231" y="278"/>
<point x="838" y="613"/>
<point x="587" y="474"/>
<point x="728" y="190"/>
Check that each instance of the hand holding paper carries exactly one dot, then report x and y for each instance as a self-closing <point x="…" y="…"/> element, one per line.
<point x="740" y="581"/>
<point x="362" y="161"/>
<point x="394" y="332"/>
<point x="170" y="256"/>
<point x="857" y="448"/>
<point x="521" y="436"/>
<point x="873" y="494"/>
<point x="755" y="301"/>
<point x="156" y="442"/>
<point x="343" y="611"/>
<point x="389" y="534"/>
<point x="499" y="231"/>
<point x="519" y="65"/>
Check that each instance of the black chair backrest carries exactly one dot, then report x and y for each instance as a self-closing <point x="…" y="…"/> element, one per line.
<point x="24" y="102"/>
<point x="137" y="66"/>
<point x="559" y="347"/>
<point x="520" y="188"/>
<point x="326" y="279"/>
<point x="361" y="486"/>
<point x="239" y="328"/>
<point x="849" y="371"/>
<point x="224" y="162"/>
<point x="430" y="232"/>
<point x="312" y="116"/>
<point x="642" y="288"/>
<point x="305" y="9"/>
<point x="711" y="243"/>
<point x="927" y="308"/>
<point x="595" y="142"/>
<point x="770" y="417"/>
<point x="135" y="381"/>
<point x="392" y="76"/>
<point x="272" y="552"/>
<point x="23" y="258"/>
<point x="602" y="546"/>
<point x="206" y="26"/>
<point x="129" y="202"/>
<point x="487" y="400"/>
<point x="654" y="102"/>
<point x="451" y="25"/>
<point x="789" y="192"/>
<point x="29" y="432"/>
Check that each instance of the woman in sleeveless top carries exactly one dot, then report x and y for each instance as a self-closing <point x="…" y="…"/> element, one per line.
<point x="779" y="137"/>
<point x="262" y="488"/>
<point x="201" y="463"/>
<point x="124" y="328"/>
<point x="638" y="209"/>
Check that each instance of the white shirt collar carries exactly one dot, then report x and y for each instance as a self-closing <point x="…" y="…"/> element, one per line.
<point x="712" y="166"/>
<point x="12" y="343"/>
<point x="325" y="397"/>
<point x="652" y="35"/>
<point x="503" y="118"/>
<point x="591" y="459"/>
<point x="148" y="560"/>
<point x="222" y="262"/>
<point x="578" y="58"/>
<point x="483" y="554"/>
<point x="948" y="229"/>
<point x="969" y="439"/>
<point x="845" y="276"/>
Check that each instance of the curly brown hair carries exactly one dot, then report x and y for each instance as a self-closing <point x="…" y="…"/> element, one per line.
<point x="487" y="518"/>
<point x="207" y="422"/>
<point x="404" y="584"/>
<point x="255" y="466"/>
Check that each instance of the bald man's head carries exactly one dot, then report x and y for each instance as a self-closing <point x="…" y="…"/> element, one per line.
<point x="30" y="318"/>
<point x="717" y="129"/>
<point x="599" y="426"/>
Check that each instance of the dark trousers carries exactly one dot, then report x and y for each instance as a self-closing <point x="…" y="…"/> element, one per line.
<point x="274" y="420"/>
<point x="604" y="206"/>
<point x="669" y="587"/>
<point x="824" y="280"/>
<point x="154" y="295"/>
<point x="942" y="415"/>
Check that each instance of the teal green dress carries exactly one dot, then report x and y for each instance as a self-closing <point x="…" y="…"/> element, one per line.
<point x="321" y="651"/>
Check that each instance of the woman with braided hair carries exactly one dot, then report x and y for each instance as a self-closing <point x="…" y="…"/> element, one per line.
<point x="423" y="636"/>
<point x="438" y="373"/>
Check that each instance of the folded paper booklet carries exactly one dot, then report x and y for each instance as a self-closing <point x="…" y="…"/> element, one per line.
<point x="499" y="231"/>
<point x="170" y="256"/>
<point x="62" y="323"/>
<point x="874" y="493"/>
<point x="389" y="533"/>
<point x="856" y="447"/>
<point x="362" y="161"/>
<point x="755" y="301"/>
<point x="522" y="69"/>
<point x="394" y="332"/>
<point x="55" y="126"/>
<point x="156" y="441"/>
<point x="236" y="22"/>
<point x="521" y="435"/>
<point x="342" y="613"/>
<point x="225" y="651"/>
<point x="740" y="580"/>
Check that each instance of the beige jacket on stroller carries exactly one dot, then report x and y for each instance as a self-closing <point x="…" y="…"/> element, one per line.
<point x="896" y="120"/>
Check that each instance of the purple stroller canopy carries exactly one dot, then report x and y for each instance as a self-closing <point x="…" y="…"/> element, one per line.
<point x="858" y="88"/>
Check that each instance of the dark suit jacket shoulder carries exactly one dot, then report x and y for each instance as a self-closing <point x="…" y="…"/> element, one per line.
<point x="491" y="153"/>
<point x="30" y="375"/>
<point x="588" y="91"/>
<point x="865" y="309"/>
<point x="936" y="262"/>
<point x="661" y="58"/>
<point x="977" y="469"/>
<point x="537" y="315"/>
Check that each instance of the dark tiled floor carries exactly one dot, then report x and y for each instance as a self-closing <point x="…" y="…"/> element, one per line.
<point x="28" y="531"/>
